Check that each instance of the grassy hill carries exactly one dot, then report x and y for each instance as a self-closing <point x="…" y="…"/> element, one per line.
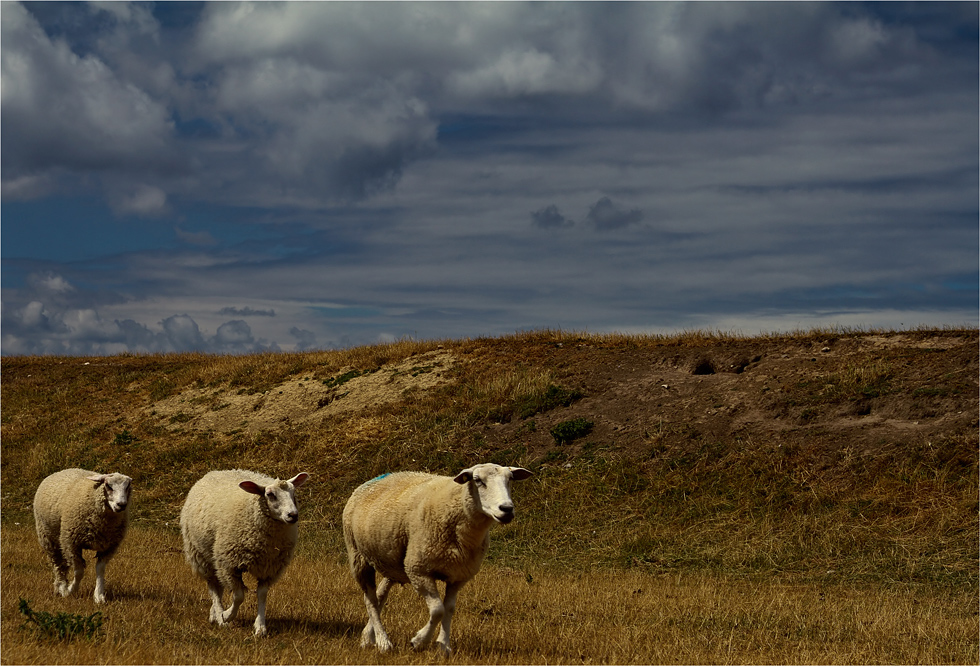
<point x="836" y="457"/>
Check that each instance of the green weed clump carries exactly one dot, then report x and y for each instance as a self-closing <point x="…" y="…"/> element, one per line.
<point x="123" y="438"/>
<point x="63" y="626"/>
<point x="339" y="380"/>
<point x="552" y="398"/>
<point x="568" y="431"/>
<point x="868" y="381"/>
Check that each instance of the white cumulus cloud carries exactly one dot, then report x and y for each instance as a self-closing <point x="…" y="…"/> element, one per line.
<point x="64" y="110"/>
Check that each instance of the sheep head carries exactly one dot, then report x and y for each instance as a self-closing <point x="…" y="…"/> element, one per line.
<point x="490" y="485"/>
<point x="279" y="497"/>
<point x="115" y="489"/>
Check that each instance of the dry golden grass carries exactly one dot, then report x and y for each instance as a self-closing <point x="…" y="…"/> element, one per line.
<point x="781" y="538"/>
<point x="157" y="613"/>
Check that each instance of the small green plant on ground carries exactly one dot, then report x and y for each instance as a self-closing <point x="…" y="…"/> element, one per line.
<point x="570" y="430"/>
<point x="554" y="396"/>
<point x="334" y="382"/>
<point x="123" y="438"/>
<point x="61" y="625"/>
<point x="850" y="383"/>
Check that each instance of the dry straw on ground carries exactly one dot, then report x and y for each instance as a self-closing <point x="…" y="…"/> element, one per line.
<point x="804" y="498"/>
<point x="158" y="614"/>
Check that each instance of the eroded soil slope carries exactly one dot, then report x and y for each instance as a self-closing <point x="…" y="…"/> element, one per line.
<point x="852" y="393"/>
<point x="301" y="399"/>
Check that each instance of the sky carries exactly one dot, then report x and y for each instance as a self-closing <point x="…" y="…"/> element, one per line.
<point x="236" y="178"/>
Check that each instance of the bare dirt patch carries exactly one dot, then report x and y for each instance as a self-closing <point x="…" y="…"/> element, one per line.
<point x="302" y="399"/>
<point x="867" y="392"/>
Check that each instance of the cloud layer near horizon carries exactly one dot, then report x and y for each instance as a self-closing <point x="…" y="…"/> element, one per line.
<point x="237" y="177"/>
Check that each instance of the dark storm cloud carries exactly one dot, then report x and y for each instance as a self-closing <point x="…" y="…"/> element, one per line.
<point x="182" y="332"/>
<point x="305" y="105"/>
<point x="304" y="339"/>
<point x="550" y="218"/>
<point x="234" y="336"/>
<point x="63" y="111"/>
<point x="52" y="317"/>
<point x="604" y="215"/>
<point x="246" y="312"/>
<point x="366" y="171"/>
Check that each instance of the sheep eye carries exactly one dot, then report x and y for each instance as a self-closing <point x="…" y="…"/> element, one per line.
<point x="478" y="482"/>
<point x="270" y="495"/>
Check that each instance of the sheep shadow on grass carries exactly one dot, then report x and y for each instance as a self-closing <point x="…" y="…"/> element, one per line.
<point x="334" y="628"/>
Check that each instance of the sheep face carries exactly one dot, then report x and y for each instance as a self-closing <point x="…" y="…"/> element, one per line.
<point x="279" y="497"/>
<point x="490" y="486"/>
<point x="116" y="489"/>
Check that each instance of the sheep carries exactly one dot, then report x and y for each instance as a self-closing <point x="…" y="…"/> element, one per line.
<point x="75" y="510"/>
<point x="238" y="521"/>
<point x="419" y="528"/>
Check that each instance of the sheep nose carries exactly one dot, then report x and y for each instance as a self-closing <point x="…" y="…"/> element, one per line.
<point x="292" y="517"/>
<point x="507" y="512"/>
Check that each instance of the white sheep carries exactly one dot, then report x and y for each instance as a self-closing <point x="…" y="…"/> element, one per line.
<point x="420" y="528"/>
<point x="238" y="521"/>
<point x="76" y="510"/>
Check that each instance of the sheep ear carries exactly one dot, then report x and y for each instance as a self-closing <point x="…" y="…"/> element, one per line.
<point x="464" y="476"/>
<point x="98" y="478"/>
<point x="519" y="473"/>
<point x="299" y="479"/>
<point x="252" y="487"/>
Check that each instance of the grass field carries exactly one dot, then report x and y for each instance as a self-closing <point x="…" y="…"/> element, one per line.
<point x="816" y="506"/>
<point x="157" y="613"/>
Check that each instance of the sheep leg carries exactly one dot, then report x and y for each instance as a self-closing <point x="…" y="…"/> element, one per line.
<point x="383" y="588"/>
<point x="374" y="598"/>
<point x="99" y="595"/>
<point x="237" y="596"/>
<point x="59" y="564"/>
<point x="449" y="605"/>
<point x="368" y="635"/>
<point x="61" y="579"/>
<point x="101" y="559"/>
<point x="215" y="590"/>
<point x="261" y="592"/>
<point x="78" y="564"/>
<point x="427" y="588"/>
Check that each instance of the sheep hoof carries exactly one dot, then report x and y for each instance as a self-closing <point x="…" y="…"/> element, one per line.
<point x="261" y="631"/>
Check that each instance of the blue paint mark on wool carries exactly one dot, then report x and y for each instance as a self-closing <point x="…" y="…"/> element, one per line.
<point x="378" y="478"/>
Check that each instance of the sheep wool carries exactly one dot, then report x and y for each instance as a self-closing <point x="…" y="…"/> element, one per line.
<point x="238" y="521"/>
<point x="415" y="528"/>
<point x="76" y="510"/>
